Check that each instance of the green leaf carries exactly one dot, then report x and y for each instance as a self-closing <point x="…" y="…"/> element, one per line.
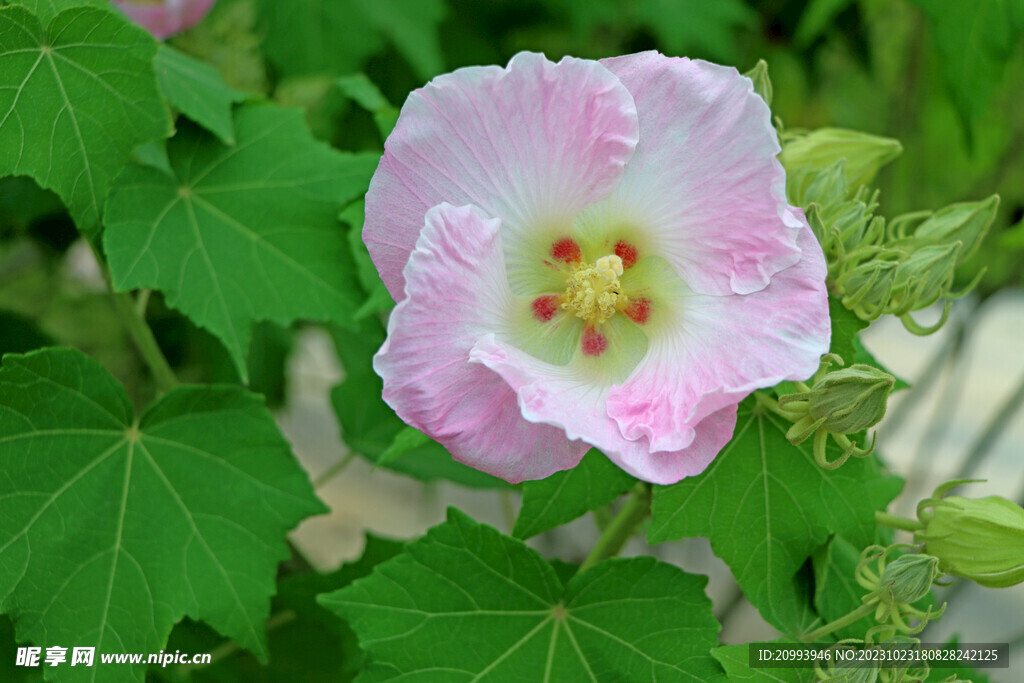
<point x="370" y="428"/>
<point x="765" y="506"/>
<point x="319" y="23"/>
<point x="307" y="641"/>
<point x="46" y="10"/>
<point x="115" y="527"/>
<point x="466" y="603"/>
<point x="75" y="99"/>
<point x="367" y="26"/>
<point x="198" y="91"/>
<point x="734" y="659"/>
<point x="816" y="19"/>
<point x="10" y="672"/>
<point x="405" y="440"/>
<point x="23" y="202"/>
<point x="378" y="298"/>
<point x="363" y="92"/>
<point x="153" y="154"/>
<point x="683" y="27"/>
<point x="845" y="326"/>
<point x="19" y="334"/>
<point x="566" y="495"/>
<point x="412" y="27"/>
<point x="975" y="39"/>
<point x="836" y="591"/>
<point x="300" y="595"/>
<point x="240" y="233"/>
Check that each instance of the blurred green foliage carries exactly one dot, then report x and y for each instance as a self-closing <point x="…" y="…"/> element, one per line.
<point x="941" y="76"/>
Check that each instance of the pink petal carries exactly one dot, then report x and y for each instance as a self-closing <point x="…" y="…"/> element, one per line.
<point x="703" y="189"/>
<point x="531" y="144"/>
<point x="575" y="400"/>
<point x="168" y="18"/>
<point x="724" y="348"/>
<point x="456" y="292"/>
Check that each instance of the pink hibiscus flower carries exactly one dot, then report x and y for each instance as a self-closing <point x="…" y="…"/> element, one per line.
<point x="589" y="254"/>
<point x="164" y="18"/>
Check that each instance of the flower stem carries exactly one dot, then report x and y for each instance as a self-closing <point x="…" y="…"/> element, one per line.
<point x="622" y="527"/>
<point x="897" y="522"/>
<point x="846" y="620"/>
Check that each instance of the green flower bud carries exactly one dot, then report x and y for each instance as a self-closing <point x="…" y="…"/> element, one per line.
<point x="851" y="218"/>
<point x="978" y="539"/>
<point x="864" y="154"/>
<point x="909" y="577"/>
<point x="762" y="84"/>
<point x="857" y="226"/>
<point x="851" y="399"/>
<point x="924" y="277"/>
<point x="825" y="187"/>
<point x="966" y="223"/>
<point x="868" y="287"/>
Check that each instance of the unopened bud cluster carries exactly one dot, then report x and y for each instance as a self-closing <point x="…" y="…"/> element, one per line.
<point x="841" y="402"/>
<point x="893" y="587"/>
<point x="867" y="669"/>
<point x="878" y="269"/>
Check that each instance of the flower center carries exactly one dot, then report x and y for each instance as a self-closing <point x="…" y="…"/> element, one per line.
<point x="593" y="291"/>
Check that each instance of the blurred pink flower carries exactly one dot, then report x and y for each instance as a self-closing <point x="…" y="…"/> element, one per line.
<point x="589" y="254"/>
<point x="164" y="18"/>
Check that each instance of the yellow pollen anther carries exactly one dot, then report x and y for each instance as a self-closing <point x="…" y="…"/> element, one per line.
<point x="593" y="291"/>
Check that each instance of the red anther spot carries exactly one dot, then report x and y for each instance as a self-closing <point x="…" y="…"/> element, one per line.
<point x="638" y="310"/>
<point x="566" y="250"/>
<point x="593" y="342"/>
<point x="545" y="307"/>
<point x="626" y="252"/>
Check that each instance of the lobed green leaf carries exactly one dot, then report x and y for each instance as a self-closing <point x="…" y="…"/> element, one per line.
<point x="734" y="659"/>
<point x="566" y="495"/>
<point x="241" y="233"/>
<point x="468" y="603"/>
<point x="198" y="91"/>
<point x="765" y="506"/>
<point x="113" y="528"/>
<point x="76" y="97"/>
